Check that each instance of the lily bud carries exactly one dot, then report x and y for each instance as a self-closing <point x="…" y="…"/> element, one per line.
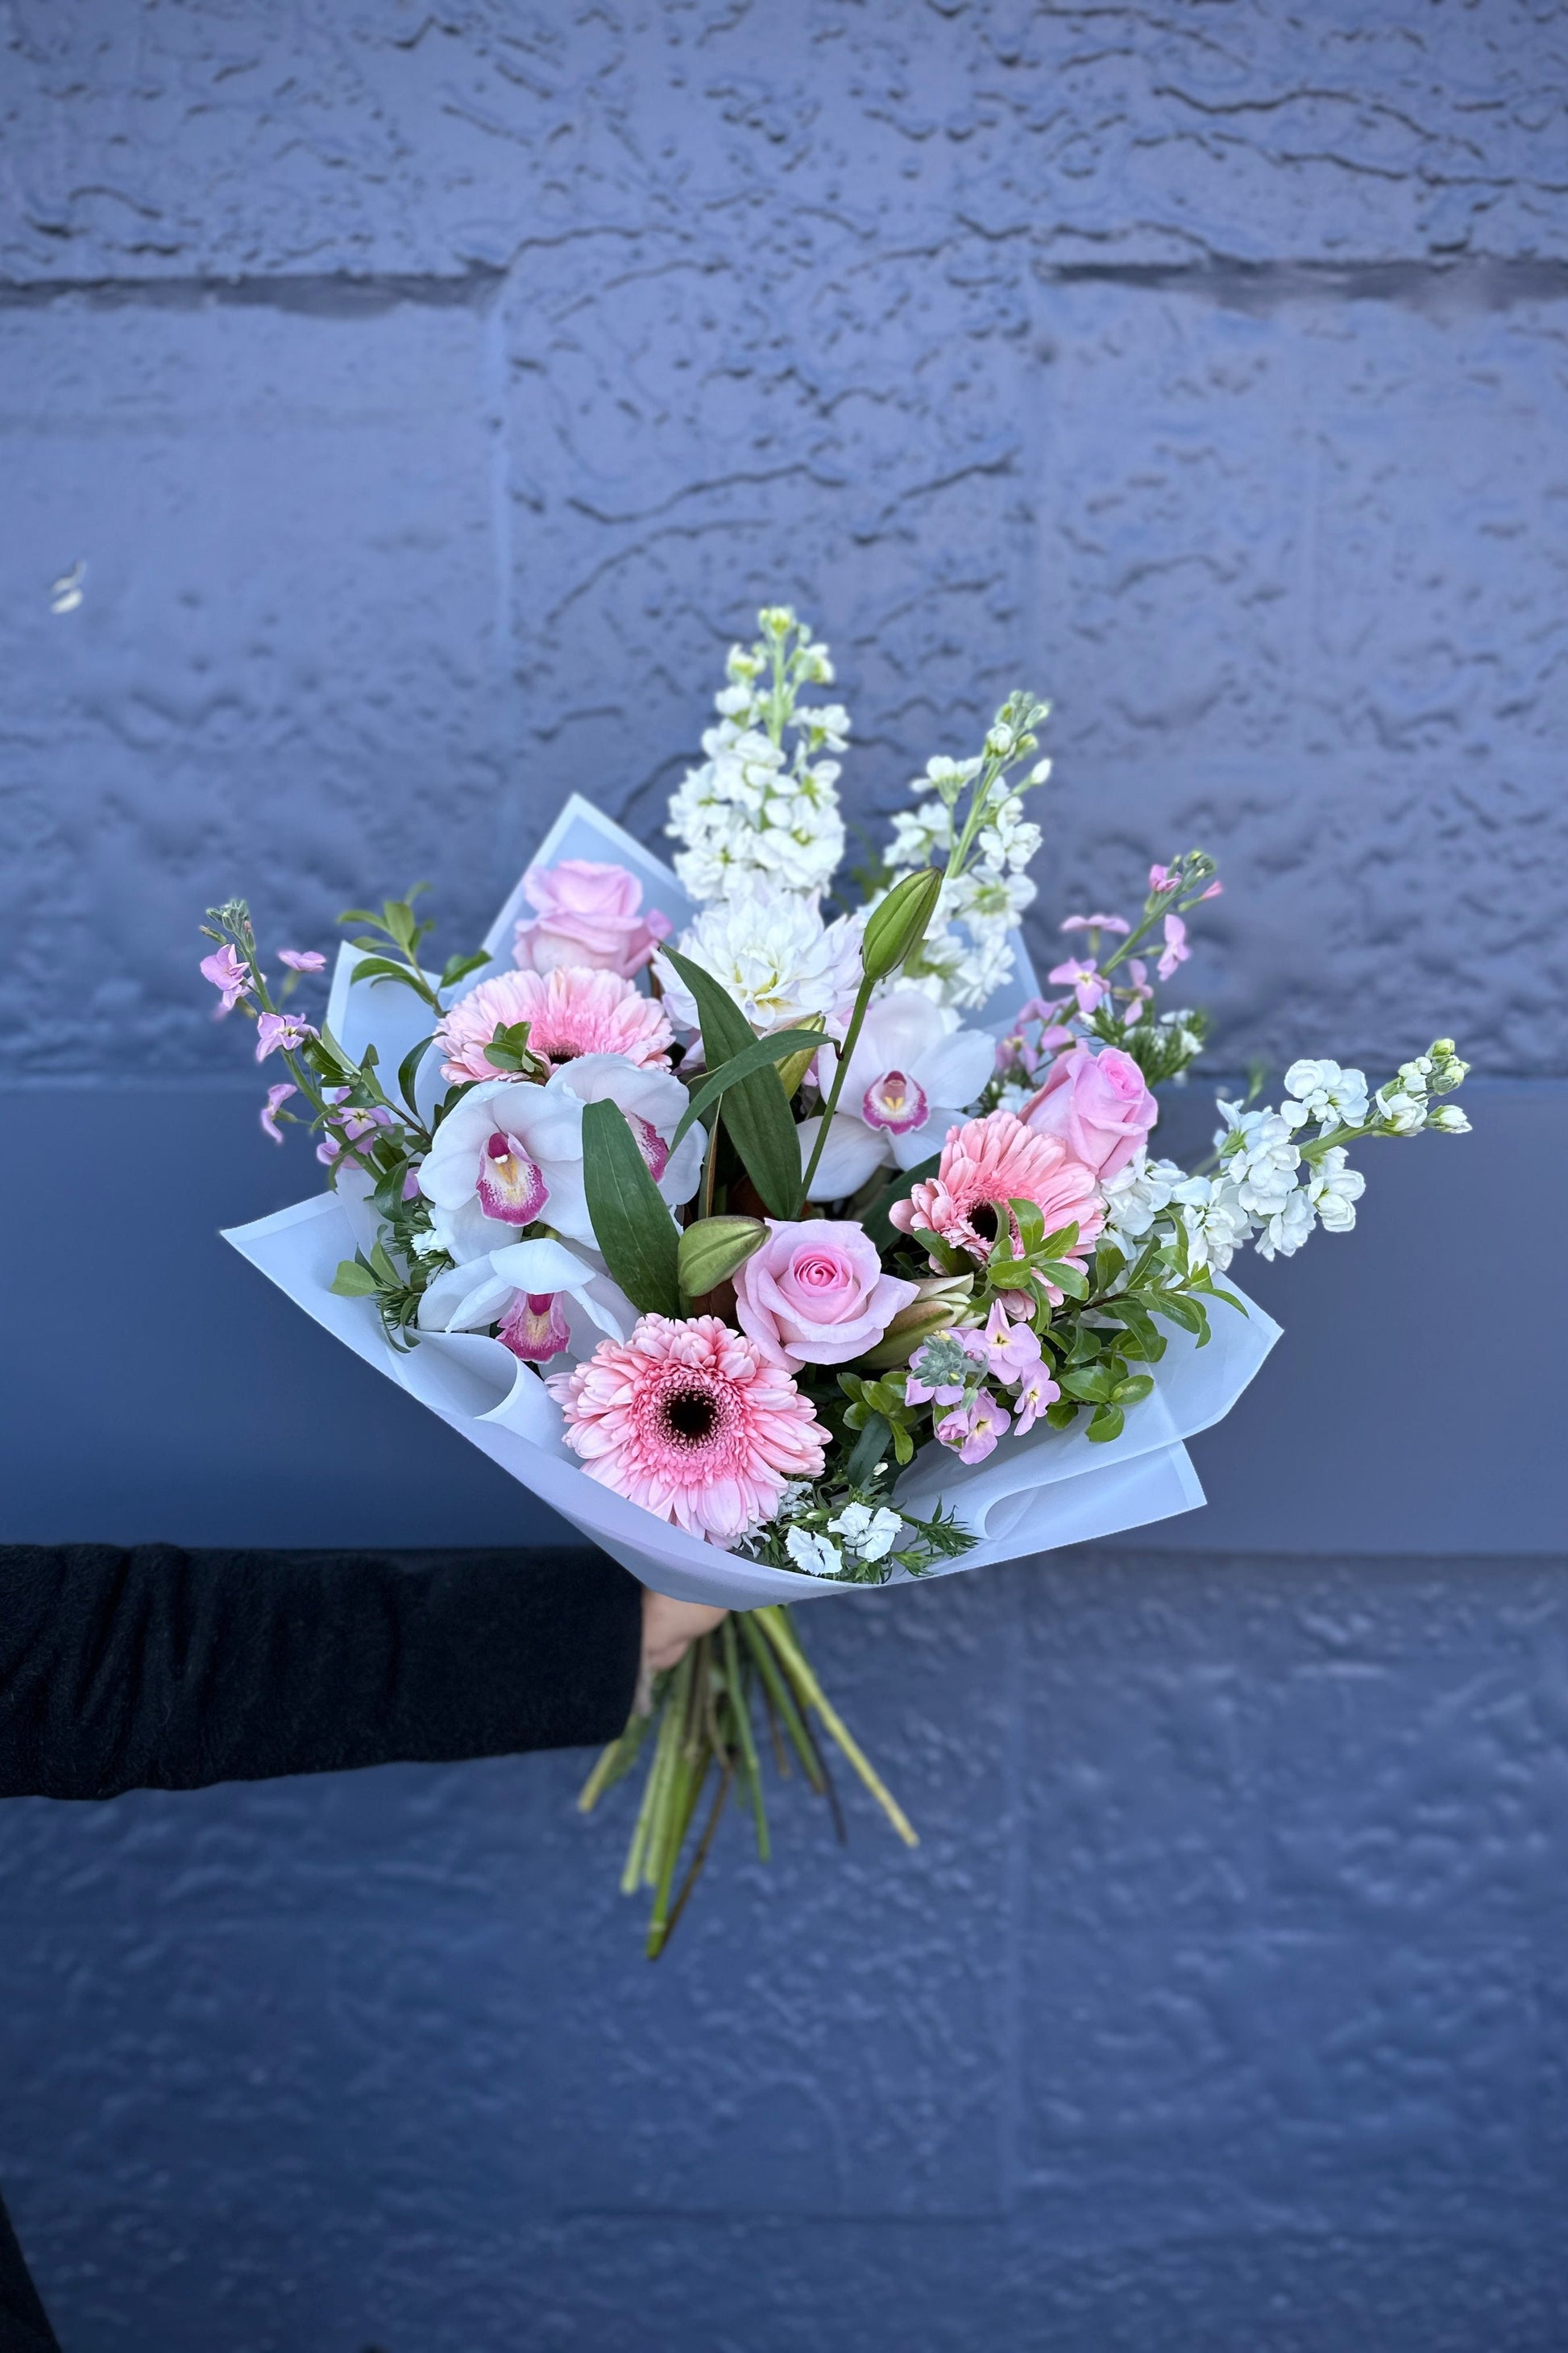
<point x="913" y="1325"/>
<point x="710" y="1251"/>
<point x="895" y="929"/>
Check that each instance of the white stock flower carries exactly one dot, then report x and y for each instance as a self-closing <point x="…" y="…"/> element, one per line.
<point x="1334" y="1188"/>
<point x="1261" y="1157"/>
<point x="752" y="809"/>
<point x="1286" y="1226"/>
<point x="813" y="1553"/>
<point x="1450" y="1120"/>
<point x="1404" y="1111"/>
<point x="776" y="957"/>
<point x="913" y="1075"/>
<point x="1216" y="1225"/>
<point x="1135" y="1196"/>
<point x="1334" y="1098"/>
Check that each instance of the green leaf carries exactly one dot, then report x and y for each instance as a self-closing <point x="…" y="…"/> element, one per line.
<point x="950" y="1260"/>
<point x="754" y="1111"/>
<point x="875" y="1219"/>
<point x="380" y="968"/>
<point x="408" y="1071"/>
<point x="1090" y="1382"/>
<point x="1067" y="1277"/>
<point x="1061" y="1413"/>
<point x="1178" y="1309"/>
<point x="353" y="1280"/>
<point x="1064" y="1239"/>
<point x="632" y="1225"/>
<point x="777" y="1047"/>
<point x="386" y="1274"/>
<point x="1107" y="1424"/>
<point x="458" y="967"/>
<point x="1132" y="1390"/>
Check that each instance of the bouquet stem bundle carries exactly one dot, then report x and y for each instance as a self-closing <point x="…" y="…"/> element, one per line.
<point x="701" y="1726"/>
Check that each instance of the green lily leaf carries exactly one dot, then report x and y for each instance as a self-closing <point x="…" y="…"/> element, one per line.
<point x="632" y="1224"/>
<point x="755" y="1111"/>
<point x="777" y="1047"/>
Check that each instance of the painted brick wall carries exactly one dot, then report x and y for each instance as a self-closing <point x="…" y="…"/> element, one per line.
<point x="430" y="393"/>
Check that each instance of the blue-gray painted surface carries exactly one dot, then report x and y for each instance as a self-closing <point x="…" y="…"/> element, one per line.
<point x="430" y="393"/>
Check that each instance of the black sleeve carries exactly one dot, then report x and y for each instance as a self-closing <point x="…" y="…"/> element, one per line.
<point x="152" y="1668"/>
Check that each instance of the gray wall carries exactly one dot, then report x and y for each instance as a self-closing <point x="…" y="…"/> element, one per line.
<point x="431" y="394"/>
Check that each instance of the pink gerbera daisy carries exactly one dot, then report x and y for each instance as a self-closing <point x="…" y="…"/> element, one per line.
<point x="989" y="1162"/>
<point x="690" y="1421"/>
<point x="569" y="1011"/>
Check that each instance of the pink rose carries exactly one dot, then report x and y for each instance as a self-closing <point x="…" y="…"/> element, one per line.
<point x="1099" y="1105"/>
<point x="588" y="915"/>
<point x="816" y="1293"/>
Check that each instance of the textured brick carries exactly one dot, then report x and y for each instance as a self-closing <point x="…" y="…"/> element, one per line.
<point x="393" y="138"/>
<point x="440" y="390"/>
<point x="286" y="643"/>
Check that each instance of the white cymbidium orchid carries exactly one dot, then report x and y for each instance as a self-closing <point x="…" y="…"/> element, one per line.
<point x="911" y="1077"/>
<point x="544" y="1297"/>
<point x="508" y="1154"/>
<point x="653" y="1102"/>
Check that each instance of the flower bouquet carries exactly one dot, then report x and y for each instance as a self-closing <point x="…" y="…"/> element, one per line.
<point x="785" y="1237"/>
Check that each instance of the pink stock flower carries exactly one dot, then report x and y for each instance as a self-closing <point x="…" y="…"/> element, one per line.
<point x="1215" y="890"/>
<point x="1095" y="923"/>
<point x="1177" y="950"/>
<point x="1037" y="1391"/>
<point x="229" y="973"/>
<point x="1099" y="1105"/>
<point x="1163" y="878"/>
<point x="973" y="1431"/>
<point x="268" y="1115"/>
<point x="1011" y="1348"/>
<point x="588" y="915"/>
<point x="692" y="1421"/>
<point x="302" y="959"/>
<point x="989" y="1162"/>
<point x="569" y="1012"/>
<point x="281" y="1032"/>
<point x="1081" y="974"/>
<point x="1139" y="995"/>
<point x="816" y="1293"/>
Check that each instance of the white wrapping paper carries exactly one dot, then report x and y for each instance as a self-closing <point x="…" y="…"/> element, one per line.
<point x="1033" y="1495"/>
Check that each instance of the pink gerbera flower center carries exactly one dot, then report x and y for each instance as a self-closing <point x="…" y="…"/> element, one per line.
<point x="690" y="1421"/>
<point x="987" y="1165"/>
<point x="894" y="1103"/>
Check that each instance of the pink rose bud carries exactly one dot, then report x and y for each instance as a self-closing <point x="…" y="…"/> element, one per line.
<point x="1099" y="1105"/>
<point x="589" y="916"/>
<point x="814" y="1293"/>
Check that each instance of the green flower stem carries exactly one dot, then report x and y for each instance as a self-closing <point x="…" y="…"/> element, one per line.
<point x="779" y="1693"/>
<point x="781" y="1634"/>
<point x="852" y="1038"/>
<point x="740" y="1709"/>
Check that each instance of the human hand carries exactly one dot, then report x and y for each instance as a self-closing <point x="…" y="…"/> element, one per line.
<point x="668" y="1630"/>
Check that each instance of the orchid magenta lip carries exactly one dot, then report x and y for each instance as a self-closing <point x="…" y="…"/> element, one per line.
<point x="511" y="1187"/>
<point x="535" y="1327"/>
<point x="895" y="1103"/>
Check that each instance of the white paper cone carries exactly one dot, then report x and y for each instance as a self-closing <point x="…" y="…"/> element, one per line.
<point x="1050" y="1489"/>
